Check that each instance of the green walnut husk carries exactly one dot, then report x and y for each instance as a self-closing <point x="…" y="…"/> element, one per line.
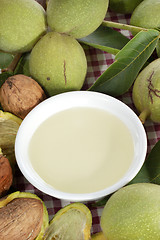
<point x="123" y="6"/>
<point x="18" y="194"/>
<point x="147" y="15"/>
<point x="133" y="213"/>
<point x="22" y="23"/>
<point x="146" y="92"/>
<point x="9" y="125"/>
<point x="72" y="222"/>
<point x="76" y="18"/>
<point x="58" y="63"/>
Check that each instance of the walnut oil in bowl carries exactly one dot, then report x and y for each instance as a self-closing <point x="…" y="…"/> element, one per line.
<point x="80" y="145"/>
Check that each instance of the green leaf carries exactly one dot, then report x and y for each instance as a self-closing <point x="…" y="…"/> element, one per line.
<point x="106" y="39"/>
<point x="101" y="202"/>
<point x="5" y="59"/>
<point x="150" y="172"/>
<point x="23" y="65"/>
<point x="119" y="77"/>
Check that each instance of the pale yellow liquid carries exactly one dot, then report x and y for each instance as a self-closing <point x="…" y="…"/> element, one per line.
<point x="81" y="150"/>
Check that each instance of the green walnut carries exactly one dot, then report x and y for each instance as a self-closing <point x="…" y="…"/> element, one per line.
<point x="147" y="14"/>
<point x="58" y="63"/>
<point x="22" y="22"/>
<point x="146" y="92"/>
<point x="133" y="213"/>
<point x="78" y="18"/>
<point x="123" y="6"/>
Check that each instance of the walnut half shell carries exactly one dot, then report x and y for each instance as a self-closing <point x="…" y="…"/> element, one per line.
<point x="21" y="219"/>
<point x="20" y="94"/>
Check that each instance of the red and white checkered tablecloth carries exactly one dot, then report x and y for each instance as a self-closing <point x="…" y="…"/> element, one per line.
<point x="98" y="61"/>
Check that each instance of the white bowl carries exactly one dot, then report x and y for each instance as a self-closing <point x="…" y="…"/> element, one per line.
<point x="79" y="99"/>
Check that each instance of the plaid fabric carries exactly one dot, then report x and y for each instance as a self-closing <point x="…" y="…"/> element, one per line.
<point x="98" y="61"/>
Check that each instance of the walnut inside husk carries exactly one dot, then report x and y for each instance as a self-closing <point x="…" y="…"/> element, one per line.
<point x="23" y="216"/>
<point x="9" y="125"/>
<point x="20" y="94"/>
<point x="21" y="219"/>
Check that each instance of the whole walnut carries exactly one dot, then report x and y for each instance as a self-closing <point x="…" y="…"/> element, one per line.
<point x="20" y="94"/>
<point x="6" y="175"/>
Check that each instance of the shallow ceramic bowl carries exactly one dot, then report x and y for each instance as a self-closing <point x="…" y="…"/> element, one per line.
<point x="79" y="99"/>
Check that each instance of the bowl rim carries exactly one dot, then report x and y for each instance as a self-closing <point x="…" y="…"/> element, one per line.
<point x="56" y="103"/>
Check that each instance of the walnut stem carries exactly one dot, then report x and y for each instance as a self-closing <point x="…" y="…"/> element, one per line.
<point x="123" y="26"/>
<point x="144" y="114"/>
<point x="13" y="64"/>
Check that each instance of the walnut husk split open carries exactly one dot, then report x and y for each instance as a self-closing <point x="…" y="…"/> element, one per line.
<point x="21" y="219"/>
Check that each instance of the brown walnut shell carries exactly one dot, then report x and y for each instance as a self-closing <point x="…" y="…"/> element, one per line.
<point x="6" y="176"/>
<point x="20" y="94"/>
<point x="21" y="219"/>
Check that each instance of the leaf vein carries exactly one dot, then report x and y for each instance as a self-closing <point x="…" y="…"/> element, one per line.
<point x="134" y="59"/>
